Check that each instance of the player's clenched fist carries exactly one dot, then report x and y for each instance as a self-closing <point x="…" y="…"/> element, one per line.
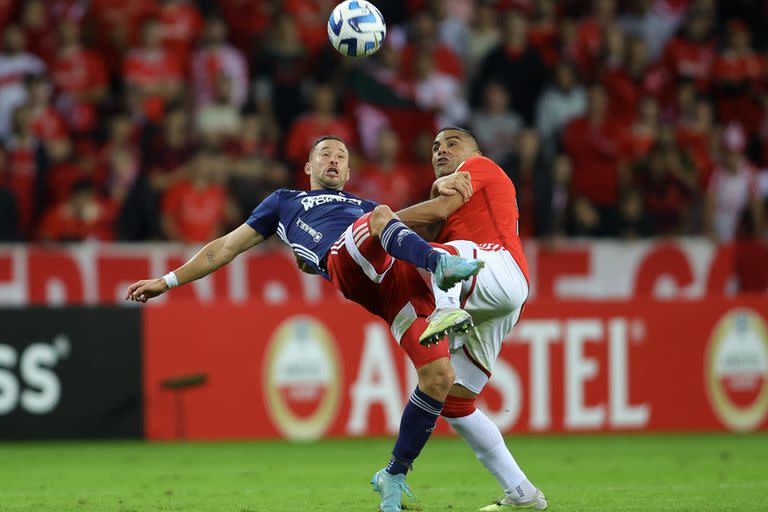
<point x="456" y="183"/>
<point x="142" y="291"/>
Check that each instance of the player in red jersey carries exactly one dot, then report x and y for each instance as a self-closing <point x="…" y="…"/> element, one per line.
<point x="484" y="228"/>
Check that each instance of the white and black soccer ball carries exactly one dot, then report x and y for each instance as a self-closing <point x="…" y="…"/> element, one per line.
<point x="356" y="28"/>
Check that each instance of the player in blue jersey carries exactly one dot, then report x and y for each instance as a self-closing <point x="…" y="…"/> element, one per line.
<point x="351" y="241"/>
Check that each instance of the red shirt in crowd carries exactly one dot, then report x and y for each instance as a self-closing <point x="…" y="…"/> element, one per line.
<point x="152" y="68"/>
<point x="689" y="59"/>
<point x="698" y="144"/>
<point x="596" y="150"/>
<point x="444" y="57"/>
<point x="22" y="173"/>
<point x="197" y="212"/>
<point x="47" y="125"/>
<point x="74" y="71"/>
<point x="94" y="221"/>
<point x="246" y="19"/>
<point x="394" y="187"/>
<point x="545" y="39"/>
<point x="625" y="92"/>
<point x="181" y="25"/>
<point x="745" y="75"/>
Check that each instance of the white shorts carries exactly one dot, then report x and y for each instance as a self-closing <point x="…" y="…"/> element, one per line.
<point x="495" y="301"/>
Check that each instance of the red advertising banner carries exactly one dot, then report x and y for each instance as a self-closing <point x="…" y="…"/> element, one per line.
<point x="309" y="371"/>
<point x="92" y="273"/>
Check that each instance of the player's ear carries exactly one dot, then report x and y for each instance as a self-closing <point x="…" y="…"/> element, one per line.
<point x="307" y="169"/>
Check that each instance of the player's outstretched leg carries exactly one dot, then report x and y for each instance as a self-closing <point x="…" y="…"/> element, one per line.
<point x="485" y="439"/>
<point x="403" y="243"/>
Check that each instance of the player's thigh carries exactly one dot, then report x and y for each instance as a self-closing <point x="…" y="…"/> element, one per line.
<point x="500" y="287"/>
<point x="366" y="250"/>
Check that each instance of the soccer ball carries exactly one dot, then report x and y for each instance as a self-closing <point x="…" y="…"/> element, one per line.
<point x="356" y="28"/>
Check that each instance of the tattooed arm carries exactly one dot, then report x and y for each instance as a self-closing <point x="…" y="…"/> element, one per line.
<point x="211" y="257"/>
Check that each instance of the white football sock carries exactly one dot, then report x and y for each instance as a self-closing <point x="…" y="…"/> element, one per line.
<point x="449" y="299"/>
<point x="484" y="438"/>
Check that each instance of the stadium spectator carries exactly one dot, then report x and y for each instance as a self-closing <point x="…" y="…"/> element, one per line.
<point x="495" y="127"/>
<point x="695" y="134"/>
<point x="438" y="92"/>
<point x="655" y="21"/>
<point x="247" y="20"/>
<point x="424" y="38"/>
<point x="180" y="25"/>
<point x="311" y="18"/>
<point x="80" y="77"/>
<point x="508" y="62"/>
<point x="83" y="216"/>
<point x="119" y="25"/>
<point x="528" y="170"/>
<point x="170" y="150"/>
<point x="543" y="32"/>
<point x="667" y="180"/>
<point x="633" y="219"/>
<point x="644" y="132"/>
<point x="45" y="122"/>
<point x="9" y="217"/>
<point x="154" y="74"/>
<point x="196" y="208"/>
<point x="562" y="101"/>
<point x="384" y="179"/>
<point x="257" y="137"/>
<point x="38" y="25"/>
<point x="217" y="57"/>
<point x="453" y="25"/>
<point x="627" y="83"/>
<point x="279" y="70"/>
<point x="219" y="120"/>
<point x="15" y="64"/>
<point x="738" y="74"/>
<point x="733" y="190"/>
<point x="595" y="143"/>
<point x="319" y="121"/>
<point x="554" y="223"/>
<point x="26" y="170"/>
<point x="689" y="56"/>
<point x="484" y="35"/>
<point x="590" y="37"/>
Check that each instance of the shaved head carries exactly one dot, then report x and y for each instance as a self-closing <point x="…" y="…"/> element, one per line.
<point x="464" y="132"/>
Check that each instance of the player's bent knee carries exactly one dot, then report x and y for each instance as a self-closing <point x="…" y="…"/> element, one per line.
<point x="380" y="217"/>
<point x="458" y="407"/>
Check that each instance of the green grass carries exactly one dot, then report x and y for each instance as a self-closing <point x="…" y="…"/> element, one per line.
<point x="589" y="473"/>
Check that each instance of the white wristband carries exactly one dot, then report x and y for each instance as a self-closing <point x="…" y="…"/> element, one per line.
<point x="170" y="280"/>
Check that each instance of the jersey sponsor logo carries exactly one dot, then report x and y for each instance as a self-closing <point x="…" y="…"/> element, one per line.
<point x="312" y="201"/>
<point x="315" y="234"/>
<point x="737" y="369"/>
<point x="301" y="369"/>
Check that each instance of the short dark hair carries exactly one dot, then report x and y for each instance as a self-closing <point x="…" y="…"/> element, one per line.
<point x="462" y="130"/>
<point x="319" y="140"/>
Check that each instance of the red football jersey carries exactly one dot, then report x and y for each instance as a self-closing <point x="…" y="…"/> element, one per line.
<point x="490" y="215"/>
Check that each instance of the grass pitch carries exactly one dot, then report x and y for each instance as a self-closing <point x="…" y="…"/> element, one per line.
<point x="589" y="473"/>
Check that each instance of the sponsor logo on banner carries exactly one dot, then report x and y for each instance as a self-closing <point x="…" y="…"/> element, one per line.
<point x="737" y="369"/>
<point x="302" y="372"/>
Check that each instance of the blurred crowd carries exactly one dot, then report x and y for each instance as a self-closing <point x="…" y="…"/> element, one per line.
<point x="173" y="119"/>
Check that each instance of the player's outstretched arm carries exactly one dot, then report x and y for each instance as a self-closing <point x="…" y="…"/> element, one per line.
<point x="429" y="212"/>
<point x="213" y="256"/>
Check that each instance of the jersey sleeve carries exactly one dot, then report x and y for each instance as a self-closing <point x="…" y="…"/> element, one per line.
<point x="482" y="171"/>
<point x="264" y="218"/>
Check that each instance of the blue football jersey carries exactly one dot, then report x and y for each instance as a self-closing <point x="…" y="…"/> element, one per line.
<point x="308" y="221"/>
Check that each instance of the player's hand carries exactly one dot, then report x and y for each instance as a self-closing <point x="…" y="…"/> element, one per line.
<point x="142" y="291"/>
<point x="304" y="267"/>
<point x="456" y="183"/>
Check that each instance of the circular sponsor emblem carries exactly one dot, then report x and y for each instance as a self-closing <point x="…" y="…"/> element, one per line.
<point x="302" y="378"/>
<point x="737" y="369"/>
